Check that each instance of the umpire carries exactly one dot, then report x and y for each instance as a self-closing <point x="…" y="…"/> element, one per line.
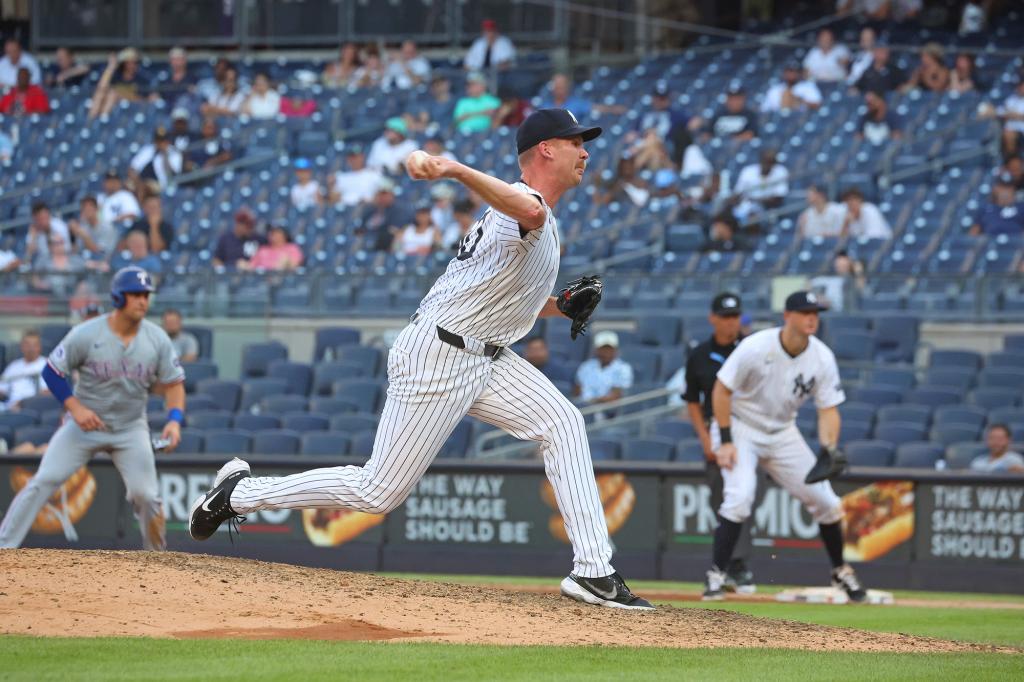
<point x="701" y="369"/>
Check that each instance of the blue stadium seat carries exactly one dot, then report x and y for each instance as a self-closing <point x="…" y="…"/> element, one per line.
<point x="857" y="411"/>
<point x="602" y="450"/>
<point x="900" y="432"/>
<point x="1005" y="359"/>
<point x="276" y="442"/>
<point x="255" y="390"/>
<point x="659" y="330"/>
<point x="202" y="402"/>
<point x="17" y="420"/>
<point x="676" y="429"/>
<point x="690" y="451"/>
<point x="364" y="356"/>
<point x="255" y="422"/>
<point x="326" y="374"/>
<point x="889" y="377"/>
<point x="366" y="395"/>
<point x="36" y="435"/>
<point x="362" y="444"/>
<point x="353" y="423"/>
<point x="644" y="361"/>
<point x="280" y="404"/>
<point x="947" y="434"/>
<point x="38" y="403"/>
<point x="52" y="334"/>
<point x="54" y="418"/>
<point x="1001" y="378"/>
<point x="949" y="377"/>
<point x="304" y="422"/>
<point x="918" y="455"/>
<point x="1006" y="415"/>
<point x="960" y="415"/>
<point x="298" y="376"/>
<point x="933" y="397"/>
<point x="208" y="420"/>
<point x="870" y="453"/>
<point x="204" y="335"/>
<point x="331" y="443"/>
<point x="960" y="455"/>
<point x="1014" y="343"/>
<point x="853" y="430"/>
<point x="328" y="338"/>
<point x="856" y="346"/>
<point x="225" y="394"/>
<point x="226" y="442"/>
<point x="959" y="359"/>
<point x="875" y="396"/>
<point x="458" y="445"/>
<point x="994" y="397"/>
<point x="191" y="442"/>
<point x="331" y="406"/>
<point x="655" y="449"/>
<point x="197" y="371"/>
<point x="896" y="338"/>
<point x="256" y="358"/>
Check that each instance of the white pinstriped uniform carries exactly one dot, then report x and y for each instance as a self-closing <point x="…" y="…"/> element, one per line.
<point x="491" y="293"/>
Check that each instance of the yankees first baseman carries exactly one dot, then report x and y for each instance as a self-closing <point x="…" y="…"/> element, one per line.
<point x="759" y="390"/>
<point x="453" y="360"/>
<point x="119" y="358"/>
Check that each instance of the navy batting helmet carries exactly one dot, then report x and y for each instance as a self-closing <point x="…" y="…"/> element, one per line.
<point x="129" y="280"/>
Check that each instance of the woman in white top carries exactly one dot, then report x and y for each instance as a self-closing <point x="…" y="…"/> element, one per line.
<point x="227" y="102"/>
<point x="821" y="218"/>
<point x="263" y="102"/>
<point x="863" y="219"/>
<point x="421" y="237"/>
<point x="828" y="61"/>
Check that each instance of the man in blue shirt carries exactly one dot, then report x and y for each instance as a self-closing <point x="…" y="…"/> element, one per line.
<point x="561" y="97"/>
<point x="605" y="377"/>
<point x="1004" y="214"/>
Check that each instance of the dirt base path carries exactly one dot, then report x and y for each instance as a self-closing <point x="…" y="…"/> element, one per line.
<point x="93" y="593"/>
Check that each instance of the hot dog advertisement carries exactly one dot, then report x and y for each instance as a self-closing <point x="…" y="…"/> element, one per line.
<point x="878" y="518"/>
<point x="618" y="498"/>
<point x="333" y="527"/>
<point x="66" y="506"/>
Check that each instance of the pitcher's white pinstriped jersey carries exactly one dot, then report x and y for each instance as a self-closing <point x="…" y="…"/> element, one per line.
<point x="500" y="280"/>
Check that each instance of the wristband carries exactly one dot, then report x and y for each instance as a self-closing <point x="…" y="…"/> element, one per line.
<point x="726" y="434"/>
<point x="175" y="415"/>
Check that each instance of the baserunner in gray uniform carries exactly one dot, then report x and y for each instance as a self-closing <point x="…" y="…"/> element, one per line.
<point x="120" y="358"/>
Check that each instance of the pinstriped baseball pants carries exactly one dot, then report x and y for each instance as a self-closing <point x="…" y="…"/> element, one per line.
<point x="432" y="386"/>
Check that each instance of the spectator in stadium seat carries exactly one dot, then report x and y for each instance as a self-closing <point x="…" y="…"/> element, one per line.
<point x="847" y="275"/>
<point x="559" y="95"/>
<point x="737" y="121"/>
<point x="208" y="88"/>
<point x="879" y="124"/>
<point x="66" y="71"/>
<point x="136" y="253"/>
<point x="821" y="218"/>
<point x="388" y="152"/>
<point x="490" y="50"/>
<point x="761" y="186"/>
<point x="185" y="344"/>
<point x="649" y="153"/>
<point x="1000" y="459"/>
<point x="6" y="147"/>
<point x="239" y="244"/>
<point x="212" y="150"/>
<point x="228" y="100"/>
<point x="53" y="271"/>
<point x="43" y="227"/>
<point x="1014" y="167"/>
<point x="89" y="232"/>
<point x="973" y="18"/>
<point x="158" y="231"/>
<point x="338" y="74"/>
<point x="791" y="93"/>
<point x="881" y="75"/>
<point x="434" y="145"/>
<point x="442" y="211"/>
<point x="24" y="98"/>
<point x="117" y="204"/>
<point x="722" y="235"/>
<point x="964" y="76"/>
<point x="357" y="185"/>
<point x="864" y="220"/>
<point x="382" y="219"/>
<point x="9" y="261"/>
<point x="437" y="109"/>
<point x="420" y="237"/>
<point x="14" y="60"/>
<point x="624" y="184"/>
<point x="122" y="80"/>
<point x="827" y="62"/>
<point x="1003" y="214"/>
<point x="474" y="111"/>
<point x="179" y="84"/>
<point x="406" y="68"/>
<point x="1012" y="114"/>
<point x="181" y="132"/>
<point x="512" y="111"/>
<point x="23" y="377"/>
<point x="263" y="102"/>
<point x="536" y="353"/>
<point x="299" y="105"/>
<point x="306" y="192"/>
<point x="371" y="73"/>
<point x="931" y="74"/>
<point x="673" y="126"/>
<point x="280" y="253"/>
<point x="605" y="377"/>
<point x="156" y="164"/>
<point x="865" y="55"/>
<point x="464" y="220"/>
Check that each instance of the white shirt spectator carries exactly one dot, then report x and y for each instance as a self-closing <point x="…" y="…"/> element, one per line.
<point x="119" y="206"/>
<point x="501" y="51"/>
<point x="22" y="380"/>
<point x="828" y="67"/>
<point x="398" y="73"/>
<point x="1014" y="104"/>
<point x="827" y="223"/>
<point x="232" y="102"/>
<point x="6" y="258"/>
<point x="860" y="64"/>
<point x="972" y="20"/>
<point x="677" y="385"/>
<point x="163" y="171"/>
<point x="596" y="381"/>
<point x="387" y="157"/>
<point x="57" y="227"/>
<point x="871" y="224"/>
<point x="414" y="243"/>
<point x="305" y="196"/>
<point x="752" y="185"/>
<point x="264" y="106"/>
<point x="805" y="90"/>
<point x="9" y="71"/>
<point x="695" y="164"/>
<point x="1000" y="465"/>
<point x="357" y="187"/>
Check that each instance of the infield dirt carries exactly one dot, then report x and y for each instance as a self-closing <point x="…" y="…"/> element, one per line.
<point x="179" y="595"/>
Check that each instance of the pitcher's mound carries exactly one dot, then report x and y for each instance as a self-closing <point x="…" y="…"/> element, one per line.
<point x="91" y="593"/>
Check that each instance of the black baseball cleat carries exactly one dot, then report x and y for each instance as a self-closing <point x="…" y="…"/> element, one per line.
<point x="845" y="579"/>
<point x="214" y="508"/>
<point x="739" y="578"/>
<point x="609" y="591"/>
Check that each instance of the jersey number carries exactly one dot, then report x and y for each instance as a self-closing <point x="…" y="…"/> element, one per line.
<point x="469" y="243"/>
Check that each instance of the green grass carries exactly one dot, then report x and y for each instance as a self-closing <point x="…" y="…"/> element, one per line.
<point x="25" y="658"/>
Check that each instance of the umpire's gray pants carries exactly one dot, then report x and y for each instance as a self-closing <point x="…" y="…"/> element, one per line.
<point x="70" y="449"/>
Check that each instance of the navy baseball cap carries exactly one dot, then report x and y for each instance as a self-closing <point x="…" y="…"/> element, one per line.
<point x="726" y="303"/>
<point x="546" y="124"/>
<point x="804" y="302"/>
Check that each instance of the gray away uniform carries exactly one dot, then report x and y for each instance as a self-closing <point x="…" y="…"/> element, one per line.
<point x="114" y="381"/>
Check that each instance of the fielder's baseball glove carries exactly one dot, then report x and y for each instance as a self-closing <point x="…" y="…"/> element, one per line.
<point x="831" y="463"/>
<point x="578" y="300"/>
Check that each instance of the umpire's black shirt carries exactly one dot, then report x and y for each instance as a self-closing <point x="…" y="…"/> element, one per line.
<point x="701" y="369"/>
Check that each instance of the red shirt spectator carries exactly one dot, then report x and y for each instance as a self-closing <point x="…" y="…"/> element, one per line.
<point x="25" y="98"/>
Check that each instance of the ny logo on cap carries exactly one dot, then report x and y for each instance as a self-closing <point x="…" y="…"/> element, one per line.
<point x="811" y="298"/>
<point x="729" y="303"/>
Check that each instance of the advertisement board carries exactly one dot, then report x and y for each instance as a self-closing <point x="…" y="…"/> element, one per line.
<point x="970" y="523"/>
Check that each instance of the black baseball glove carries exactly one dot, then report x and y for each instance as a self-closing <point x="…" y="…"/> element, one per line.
<point x="578" y="300"/>
<point x="831" y="463"/>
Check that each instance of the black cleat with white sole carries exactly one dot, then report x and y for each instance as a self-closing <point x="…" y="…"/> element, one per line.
<point x="214" y="508"/>
<point x="609" y="591"/>
<point x="845" y="579"/>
